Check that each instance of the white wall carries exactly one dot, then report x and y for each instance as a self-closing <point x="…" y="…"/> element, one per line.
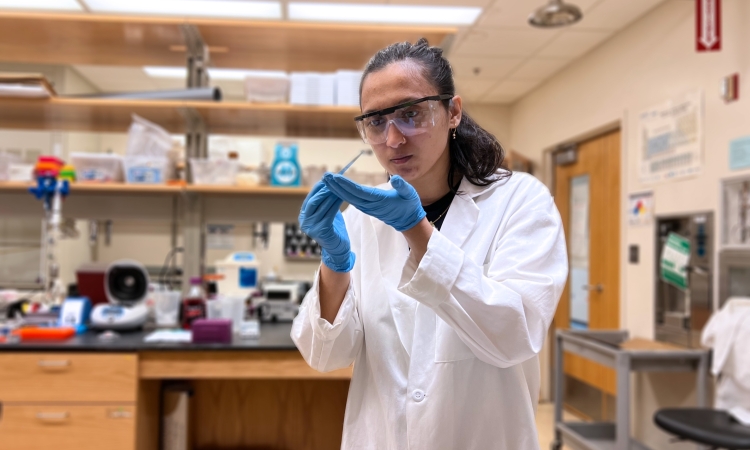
<point x="649" y="62"/>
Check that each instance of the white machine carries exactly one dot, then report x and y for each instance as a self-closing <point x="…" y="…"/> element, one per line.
<point x="239" y="274"/>
<point x="281" y="301"/>
<point x="126" y="286"/>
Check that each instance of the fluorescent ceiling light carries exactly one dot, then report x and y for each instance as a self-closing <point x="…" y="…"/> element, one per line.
<point x="57" y="5"/>
<point x="401" y="14"/>
<point x="236" y="9"/>
<point x="213" y="73"/>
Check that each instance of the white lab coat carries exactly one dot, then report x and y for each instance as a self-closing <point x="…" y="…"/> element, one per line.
<point x="727" y="333"/>
<point x="445" y="353"/>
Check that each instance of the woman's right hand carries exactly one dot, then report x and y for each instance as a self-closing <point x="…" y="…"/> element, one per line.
<point x="321" y="219"/>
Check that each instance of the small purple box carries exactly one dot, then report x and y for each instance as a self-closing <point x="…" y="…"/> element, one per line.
<point x="212" y="331"/>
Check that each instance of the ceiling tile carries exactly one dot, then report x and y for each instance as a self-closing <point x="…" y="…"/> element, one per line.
<point x="615" y="14"/>
<point x="473" y="89"/>
<point x="503" y="43"/>
<point x="538" y="68"/>
<point x="574" y="43"/>
<point x="508" y="89"/>
<point x="493" y="68"/>
<point x="515" y="13"/>
<point x="480" y="3"/>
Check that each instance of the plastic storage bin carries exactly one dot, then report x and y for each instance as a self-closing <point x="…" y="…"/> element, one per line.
<point x="214" y="171"/>
<point x="267" y="89"/>
<point x="100" y="167"/>
<point x="147" y="169"/>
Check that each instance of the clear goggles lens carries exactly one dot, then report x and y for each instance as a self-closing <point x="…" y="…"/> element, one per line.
<point x="410" y="121"/>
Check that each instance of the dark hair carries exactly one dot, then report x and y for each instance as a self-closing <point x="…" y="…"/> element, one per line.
<point x="475" y="153"/>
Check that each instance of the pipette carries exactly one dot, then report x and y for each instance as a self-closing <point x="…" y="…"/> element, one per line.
<point x="362" y="152"/>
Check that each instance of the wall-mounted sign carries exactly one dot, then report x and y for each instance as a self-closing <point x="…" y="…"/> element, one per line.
<point x="671" y="139"/>
<point x="739" y="154"/>
<point x="641" y="208"/>
<point x="707" y="25"/>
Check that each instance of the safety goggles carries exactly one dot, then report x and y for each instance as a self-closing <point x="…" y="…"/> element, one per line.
<point x="411" y="118"/>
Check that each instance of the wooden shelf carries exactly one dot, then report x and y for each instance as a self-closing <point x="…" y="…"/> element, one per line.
<point x="247" y="190"/>
<point x="124" y="188"/>
<point x="84" y="38"/>
<point x="115" y="115"/>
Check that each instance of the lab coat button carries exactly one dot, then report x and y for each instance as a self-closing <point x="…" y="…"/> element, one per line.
<point x="418" y="395"/>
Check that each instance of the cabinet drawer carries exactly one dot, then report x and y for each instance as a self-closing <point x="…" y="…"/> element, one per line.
<point x="68" y="377"/>
<point x="67" y="427"/>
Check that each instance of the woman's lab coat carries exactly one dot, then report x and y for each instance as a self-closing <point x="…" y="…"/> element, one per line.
<point x="445" y="353"/>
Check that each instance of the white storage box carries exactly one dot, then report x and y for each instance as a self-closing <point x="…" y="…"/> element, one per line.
<point x="310" y="88"/>
<point x="267" y="89"/>
<point x="240" y="274"/>
<point x="147" y="169"/>
<point x="214" y="171"/>
<point x="347" y="87"/>
<point x="20" y="172"/>
<point x="100" y="167"/>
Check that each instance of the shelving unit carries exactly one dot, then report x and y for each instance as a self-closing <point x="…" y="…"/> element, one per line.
<point x="115" y="115"/>
<point x="84" y="38"/>
<point x="156" y="189"/>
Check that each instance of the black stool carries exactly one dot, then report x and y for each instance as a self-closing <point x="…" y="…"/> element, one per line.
<point x="711" y="427"/>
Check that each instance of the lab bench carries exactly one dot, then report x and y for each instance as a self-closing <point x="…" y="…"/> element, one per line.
<point x="616" y="350"/>
<point x="86" y="393"/>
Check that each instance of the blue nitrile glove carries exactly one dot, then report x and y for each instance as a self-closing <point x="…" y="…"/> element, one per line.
<point x="321" y="219"/>
<point x="399" y="207"/>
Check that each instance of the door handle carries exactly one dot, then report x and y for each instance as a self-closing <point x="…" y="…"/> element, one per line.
<point x="52" y="417"/>
<point x="593" y="287"/>
<point x="60" y="364"/>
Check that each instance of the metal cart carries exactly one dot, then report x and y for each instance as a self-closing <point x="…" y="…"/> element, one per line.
<point x="614" y="349"/>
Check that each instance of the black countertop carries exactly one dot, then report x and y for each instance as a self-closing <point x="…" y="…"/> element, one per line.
<point x="273" y="337"/>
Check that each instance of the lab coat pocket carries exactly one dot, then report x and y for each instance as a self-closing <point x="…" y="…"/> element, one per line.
<point x="448" y="346"/>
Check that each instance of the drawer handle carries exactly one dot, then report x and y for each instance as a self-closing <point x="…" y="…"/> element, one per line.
<point x="52" y="417"/>
<point x="60" y="364"/>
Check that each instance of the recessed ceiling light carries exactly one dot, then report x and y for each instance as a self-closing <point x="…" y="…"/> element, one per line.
<point x="236" y="9"/>
<point x="400" y="14"/>
<point x="213" y="73"/>
<point x="56" y="5"/>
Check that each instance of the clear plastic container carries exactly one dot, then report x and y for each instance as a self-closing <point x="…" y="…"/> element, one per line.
<point x="214" y="171"/>
<point x="99" y="167"/>
<point x="147" y="169"/>
<point x="267" y="89"/>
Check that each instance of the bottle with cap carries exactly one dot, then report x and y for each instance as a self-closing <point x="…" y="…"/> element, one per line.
<point x="194" y="304"/>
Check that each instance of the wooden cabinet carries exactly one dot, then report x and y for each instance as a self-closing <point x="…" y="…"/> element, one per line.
<point x="67" y="427"/>
<point x="68" y="401"/>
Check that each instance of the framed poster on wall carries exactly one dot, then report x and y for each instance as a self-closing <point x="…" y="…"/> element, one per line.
<point x="670" y="139"/>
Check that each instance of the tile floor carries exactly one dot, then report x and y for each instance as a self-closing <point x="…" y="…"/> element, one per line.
<point x="545" y="419"/>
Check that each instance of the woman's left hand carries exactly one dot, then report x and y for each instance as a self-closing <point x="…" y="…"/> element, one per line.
<point x="399" y="208"/>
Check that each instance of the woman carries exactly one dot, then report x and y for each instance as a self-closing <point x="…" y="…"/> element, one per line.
<point x="458" y="270"/>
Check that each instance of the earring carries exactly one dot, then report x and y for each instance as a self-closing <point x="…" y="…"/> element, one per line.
<point x="454" y="133"/>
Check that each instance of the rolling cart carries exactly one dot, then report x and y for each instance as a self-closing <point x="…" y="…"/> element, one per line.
<point x="614" y="349"/>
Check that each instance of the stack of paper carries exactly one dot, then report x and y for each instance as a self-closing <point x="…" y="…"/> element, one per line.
<point x="347" y="87"/>
<point x="311" y="88"/>
<point x="33" y="85"/>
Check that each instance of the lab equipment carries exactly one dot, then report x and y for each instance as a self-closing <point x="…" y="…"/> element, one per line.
<point x="399" y="207"/>
<point x="277" y="311"/>
<point x="194" y="305"/>
<point x="51" y="190"/>
<point x="212" y="331"/>
<point x="203" y="93"/>
<point x="75" y="311"/>
<point x="285" y="169"/>
<point x="366" y="151"/>
<point x="681" y="312"/>
<point x="239" y="272"/>
<point x="147" y="169"/>
<point x="44" y="333"/>
<point x="126" y="286"/>
<point x="90" y="279"/>
<point x="98" y="167"/>
<point x="280" y="301"/>
<point x="734" y="274"/>
<point x="616" y="350"/>
<point x="298" y="245"/>
<point x="411" y="118"/>
<point x="214" y="171"/>
<point x="167" y="308"/>
<point x="712" y="427"/>
<point x="736" y="212"/>
<point x="321" y="219"/>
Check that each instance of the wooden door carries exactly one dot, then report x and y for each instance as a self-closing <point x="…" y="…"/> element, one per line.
<point x="587" y="193"/>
